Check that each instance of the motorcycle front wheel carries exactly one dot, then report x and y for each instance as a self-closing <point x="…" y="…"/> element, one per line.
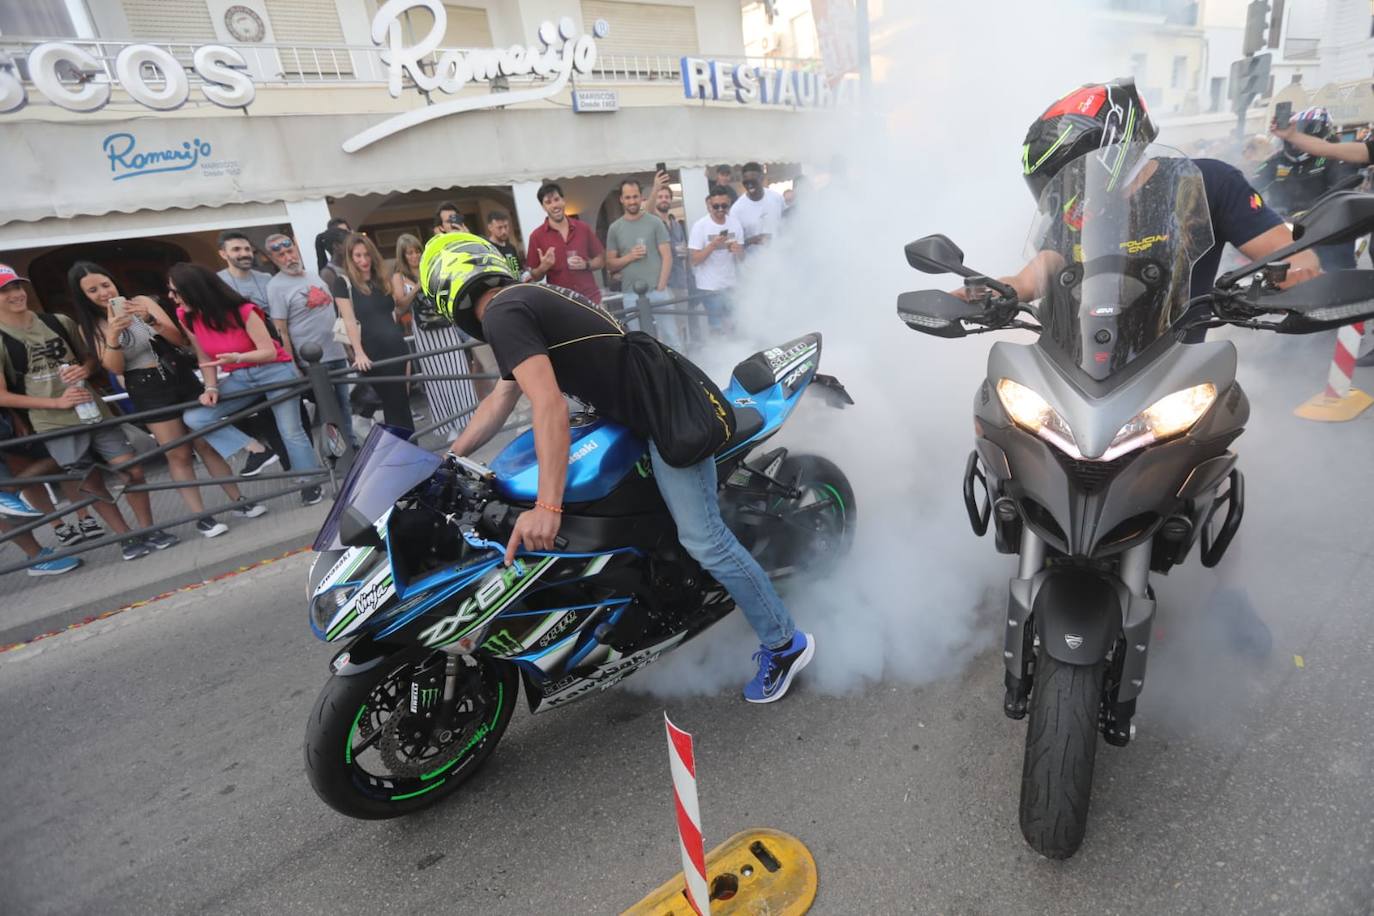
<point x="1061" y="749"/>
<point x="369" y="756"/>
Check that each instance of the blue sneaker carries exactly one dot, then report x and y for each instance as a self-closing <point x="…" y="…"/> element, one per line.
<point x="16" y="506"/>
<point x="777" y="667"/>
<point x="53" y="567"/>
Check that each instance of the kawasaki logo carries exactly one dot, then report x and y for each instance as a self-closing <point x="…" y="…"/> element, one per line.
<point x="583" y="452"/>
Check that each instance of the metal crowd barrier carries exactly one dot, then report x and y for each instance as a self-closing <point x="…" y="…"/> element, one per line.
<point x="317" y="379"/>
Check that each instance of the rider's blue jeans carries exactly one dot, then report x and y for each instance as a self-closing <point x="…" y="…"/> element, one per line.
<point x="692" y="499"/>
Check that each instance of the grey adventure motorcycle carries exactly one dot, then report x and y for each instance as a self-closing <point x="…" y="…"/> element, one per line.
<point x="1102" y="450"/>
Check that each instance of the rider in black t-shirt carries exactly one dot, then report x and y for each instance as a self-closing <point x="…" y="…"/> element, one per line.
<point x="548" y="341"/>
<point x="1100" y="115"/>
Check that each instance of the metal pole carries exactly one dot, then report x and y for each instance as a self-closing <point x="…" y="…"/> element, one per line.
<point x="326" y="402"/>
<point x="644" y="308"/>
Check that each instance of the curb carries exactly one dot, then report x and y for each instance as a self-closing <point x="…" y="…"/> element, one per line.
<point x="107" y="606"/>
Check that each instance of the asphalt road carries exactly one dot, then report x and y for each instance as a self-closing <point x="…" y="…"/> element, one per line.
<point x="153" y="761"/>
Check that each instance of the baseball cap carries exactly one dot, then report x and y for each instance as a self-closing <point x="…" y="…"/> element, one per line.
<point x="8" y="276"/>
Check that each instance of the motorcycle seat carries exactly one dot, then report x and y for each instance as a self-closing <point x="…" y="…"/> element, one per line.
<point x="755" y="374"/>
<point x="748" y="422"/>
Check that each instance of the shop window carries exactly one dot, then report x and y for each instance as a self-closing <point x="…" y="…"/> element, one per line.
<point x="644" y="30"/>
<point x="139" y="267"/>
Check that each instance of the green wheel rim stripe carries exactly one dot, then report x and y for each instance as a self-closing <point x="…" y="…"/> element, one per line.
<point x="838" y="499"/>
<point x="348" y="742"/>
<point x="500" y="695"/>
<point x="419" y="792"/>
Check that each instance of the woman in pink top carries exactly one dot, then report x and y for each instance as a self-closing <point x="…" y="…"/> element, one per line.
<point x="236" y="353"/>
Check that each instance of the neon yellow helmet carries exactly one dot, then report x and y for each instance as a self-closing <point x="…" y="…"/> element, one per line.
<point x="455" y="269"/>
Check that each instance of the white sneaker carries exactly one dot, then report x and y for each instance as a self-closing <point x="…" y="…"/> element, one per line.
<point x="211" y="527"/>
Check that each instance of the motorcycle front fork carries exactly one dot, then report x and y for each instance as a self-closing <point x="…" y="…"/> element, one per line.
<point x="1134" y="572"/>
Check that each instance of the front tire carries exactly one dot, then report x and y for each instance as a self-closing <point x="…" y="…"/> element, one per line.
<point x="361" y="750"/>
<point x="1061" y="749"/>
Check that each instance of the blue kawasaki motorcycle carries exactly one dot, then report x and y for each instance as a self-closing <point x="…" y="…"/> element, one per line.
<point x="441" y="633"/>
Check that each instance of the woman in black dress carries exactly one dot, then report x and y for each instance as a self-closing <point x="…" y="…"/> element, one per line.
<point x="363" y="285"/>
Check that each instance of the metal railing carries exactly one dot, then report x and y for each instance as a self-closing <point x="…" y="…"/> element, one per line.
<point x="317" y="379"/>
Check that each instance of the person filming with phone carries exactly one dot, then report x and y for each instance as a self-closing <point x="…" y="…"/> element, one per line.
<point x="1298" y="176"/>
<point x="714" y="246"/>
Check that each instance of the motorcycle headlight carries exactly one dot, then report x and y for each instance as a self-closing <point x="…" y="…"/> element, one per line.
<point x="1033" y="413"/>
<point x="325" y="606"/>
<point x="1170" y="416"/>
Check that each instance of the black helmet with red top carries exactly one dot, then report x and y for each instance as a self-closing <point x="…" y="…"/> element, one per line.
<point x="1092" y="117"/>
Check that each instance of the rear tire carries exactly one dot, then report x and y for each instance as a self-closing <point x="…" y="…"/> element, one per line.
<point x="350" y="707"/>
<point x="1061" y="748"/>
<point x="826" y="516"/>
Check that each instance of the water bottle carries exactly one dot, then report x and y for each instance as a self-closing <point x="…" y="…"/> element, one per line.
<point x="86" y="411"/>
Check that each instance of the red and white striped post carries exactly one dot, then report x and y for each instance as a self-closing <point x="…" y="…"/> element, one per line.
<point x="684" y="769"/>
<point x="1341" y="400"/>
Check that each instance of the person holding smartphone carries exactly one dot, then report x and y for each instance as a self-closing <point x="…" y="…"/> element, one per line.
<point x="714" y="246"/>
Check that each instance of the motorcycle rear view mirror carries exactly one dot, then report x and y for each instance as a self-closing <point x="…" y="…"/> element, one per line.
<point x="933" y="311"/>
<point x="1329" y="300"/>
<point x="1339" y="218"/>
<point x="936" y="254"/>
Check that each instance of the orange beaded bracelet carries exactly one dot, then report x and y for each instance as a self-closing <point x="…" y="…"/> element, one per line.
<point x="539" y="505"/>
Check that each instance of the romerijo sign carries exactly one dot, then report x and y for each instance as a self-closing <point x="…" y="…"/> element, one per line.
<point x="562" y="52"/>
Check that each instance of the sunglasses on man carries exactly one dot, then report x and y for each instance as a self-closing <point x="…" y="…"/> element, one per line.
<point x="283" y="245"/>
<point x="721" y="207"/>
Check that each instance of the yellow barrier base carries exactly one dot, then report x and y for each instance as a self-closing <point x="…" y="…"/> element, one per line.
<point x="756" y="871"/>
<point x="1335" y="410"/>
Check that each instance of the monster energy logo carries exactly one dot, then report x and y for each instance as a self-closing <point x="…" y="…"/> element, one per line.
<point x="422" y="697"/>
<point x="503" y="643"/>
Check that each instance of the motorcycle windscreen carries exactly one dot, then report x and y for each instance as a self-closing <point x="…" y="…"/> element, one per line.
<point x="1123" y="226"/>
<point x="385" y="469"/>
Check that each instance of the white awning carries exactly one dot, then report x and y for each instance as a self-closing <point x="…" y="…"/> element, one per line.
<point x="65" y="170"/>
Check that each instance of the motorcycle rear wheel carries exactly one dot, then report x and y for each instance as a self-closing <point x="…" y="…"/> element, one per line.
<point x="821" y="524"/>
<point x="359" y="722"/>
<point x="1061" y="749"/>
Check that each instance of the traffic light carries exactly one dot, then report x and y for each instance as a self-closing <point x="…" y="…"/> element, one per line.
<point x="1256" y="21"/>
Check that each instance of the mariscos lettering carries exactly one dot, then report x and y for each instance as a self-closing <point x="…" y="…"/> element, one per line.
<point x="126" y="161"/>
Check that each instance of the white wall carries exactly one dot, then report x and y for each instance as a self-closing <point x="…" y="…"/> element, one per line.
<point x="1347" y="50"/>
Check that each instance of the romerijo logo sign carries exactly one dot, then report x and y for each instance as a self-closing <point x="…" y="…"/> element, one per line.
<point x="562" y="51"/>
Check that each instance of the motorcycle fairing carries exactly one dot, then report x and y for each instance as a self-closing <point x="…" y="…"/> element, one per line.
<point x="1091" y="508"/>
<point x="602" y="453"/>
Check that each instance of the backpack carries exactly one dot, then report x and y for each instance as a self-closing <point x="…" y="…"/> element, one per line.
<point x="17" y="352"/>
<point x="679" y="407"/>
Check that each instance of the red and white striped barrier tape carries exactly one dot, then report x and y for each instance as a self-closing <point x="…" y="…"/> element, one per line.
<point x="684" y="768"/>
<point x="1339" y="379"/>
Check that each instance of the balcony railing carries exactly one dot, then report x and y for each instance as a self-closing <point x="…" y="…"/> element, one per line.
<point x="311" y="65"/>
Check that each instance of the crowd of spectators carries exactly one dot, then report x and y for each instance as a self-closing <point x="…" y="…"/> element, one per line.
<point x="212" y="334"/>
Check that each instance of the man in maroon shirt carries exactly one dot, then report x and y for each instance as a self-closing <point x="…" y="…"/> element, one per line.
<point x="566" y="251"/>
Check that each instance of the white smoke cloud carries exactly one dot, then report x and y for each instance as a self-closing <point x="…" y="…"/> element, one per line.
<point x="940" y="152"/>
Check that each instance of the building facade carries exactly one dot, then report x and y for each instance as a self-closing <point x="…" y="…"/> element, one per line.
<point x="136" y="130"/>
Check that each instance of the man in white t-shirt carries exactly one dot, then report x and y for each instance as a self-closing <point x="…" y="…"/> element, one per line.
<point x="759" y="211"/>
<point x="714" y="245"/>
